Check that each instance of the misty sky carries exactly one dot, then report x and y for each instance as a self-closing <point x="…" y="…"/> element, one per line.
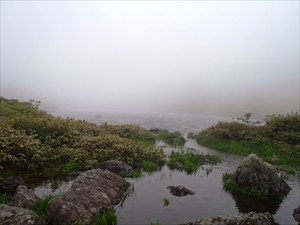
<point x="224" y="57"/>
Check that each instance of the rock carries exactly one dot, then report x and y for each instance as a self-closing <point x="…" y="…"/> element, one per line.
<point x="115" y="167"/>
<point x="253" y="172"/>
<point x="98" y="116"/>
<point x="179" y="191"/>
<point x="93" y="190"/>
<point x="18" y="216"/>
<point x="206" y="161"/>
<point x="252" y="218"/>
<point x="23" y="198"/>
<point x="178" y="166"/>
<point x="296" y="214"/>
<point x="10" y="184"/>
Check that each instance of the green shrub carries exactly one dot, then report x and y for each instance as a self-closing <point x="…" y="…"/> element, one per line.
<point x="5" y="198"/>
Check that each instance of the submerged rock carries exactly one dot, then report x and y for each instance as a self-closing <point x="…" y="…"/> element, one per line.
<point x="253" y="172"/>
<point x="93" y="190"/>
<point x="206" y="161"/>
<point x="252" y="218"/>
<point x="10" y="184"/>
<point x="116" y="167"/>
<point x="23" y="198"/>
<point x="179" y="191"/>
<point x="18" y="216"/>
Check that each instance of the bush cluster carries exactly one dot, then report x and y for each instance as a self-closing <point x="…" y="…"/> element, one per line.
<point x="33" y="141"/>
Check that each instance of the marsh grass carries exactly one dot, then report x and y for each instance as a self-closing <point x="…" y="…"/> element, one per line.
<point x="149" y="166"/>
<point x="156" y="223"/>
<point x="189" y="158"/>
<point x="5" y="198"/>
<point x="166" y="201"/>
<point x="229" y="186"/>
<point x="171" y="138"/>
<point x="40" y="207"/>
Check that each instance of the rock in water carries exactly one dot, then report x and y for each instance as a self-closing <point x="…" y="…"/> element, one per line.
<point x="23" y="198"/>
<point x="252" y="218"/>
<point x="180" y="191"/>
<point x="296" y="214"/>
<point x="18" y="216"/>
<point x="116" y="167"/>
<point x="253" y="172"/>
<point x="93" y="190"/>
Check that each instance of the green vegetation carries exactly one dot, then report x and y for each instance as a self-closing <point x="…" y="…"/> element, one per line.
<point x="191" y="135"/>
<point x="166" y="201"/>
<point x="34" y="141"/>
<point x="229" y="186"/>
<point x="170" y="138"/>
<point x="40" y="207"/>
<point x="156" y="223"/>
<point x="107" y="217"/>
<point x="149" y="166"/>
<point x="278" y="136"/>
<point x="5" y="198"/>
<point x="189" y="158"/>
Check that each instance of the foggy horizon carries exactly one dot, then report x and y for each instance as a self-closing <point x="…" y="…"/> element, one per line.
<point x="195" y="57"/>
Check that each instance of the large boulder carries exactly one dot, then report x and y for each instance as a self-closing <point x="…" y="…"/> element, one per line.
<point x="93" y="190"/>
<point x="23" y="198"/>
<point x="116" y="167"/>
<point x="253" y="172"/>
<point x="18" y="216"/>
<point x="10" y="184"/>
<point x="252" y="218"/>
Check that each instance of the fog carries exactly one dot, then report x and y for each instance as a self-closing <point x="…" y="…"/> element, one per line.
<point x="195" y="57"/>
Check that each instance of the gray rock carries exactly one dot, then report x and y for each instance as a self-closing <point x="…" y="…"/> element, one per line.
<point x="92" y="190"/>
<point x="10" y="184"/>
<point x="252" y="218"/>
<point x="179" y="191"/>
<point x="18" y="216"/>
<point x="23" y="198"/>
<point x="253" y="172"/>
<point x="296" y="214"/>
<point x="115" y="167"/>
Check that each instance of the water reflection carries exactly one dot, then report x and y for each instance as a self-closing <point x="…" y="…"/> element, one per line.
<point x="246" y="203"/>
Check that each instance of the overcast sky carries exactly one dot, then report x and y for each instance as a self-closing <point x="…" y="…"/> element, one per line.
<point x="223" y="57"/>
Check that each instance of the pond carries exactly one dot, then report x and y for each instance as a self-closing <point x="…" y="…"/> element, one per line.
<point x="145" y="205"/>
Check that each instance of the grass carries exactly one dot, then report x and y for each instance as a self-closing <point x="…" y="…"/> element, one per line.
<point x="135" y="174"/>
<point x="143" y="141"/>
<point x="170" y="138"/>
<point x="5" y="198"/>
<point x="189" y="158"/>
<point x="106" y="218"/>
<point x="264" y="150"/>
<point x="40" y="207"/>
<point x="156" y="223"/>
<point x="72" y="166"/>
<point x="149" y="166"/>
<point x="166" y="201"/>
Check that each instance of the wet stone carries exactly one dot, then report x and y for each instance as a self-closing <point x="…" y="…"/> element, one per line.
<point x="180" y="191"/>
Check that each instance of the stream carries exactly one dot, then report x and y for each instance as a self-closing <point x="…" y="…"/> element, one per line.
<point x="145" y="204"/>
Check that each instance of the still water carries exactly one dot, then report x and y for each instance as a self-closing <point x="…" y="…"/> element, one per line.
<point x="145" y="204"/>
